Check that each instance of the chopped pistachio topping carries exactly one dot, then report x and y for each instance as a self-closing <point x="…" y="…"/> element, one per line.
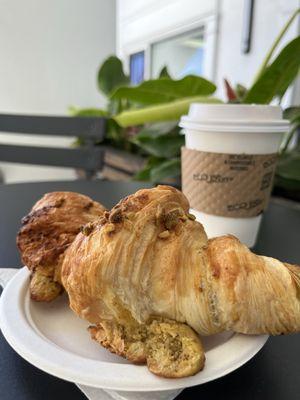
<point x="116" y="215"/>
<point x="172" y="218"/>
<point x="110" y="228"/>
<point x="164" y="235"/>
<point x="87" y="229"/>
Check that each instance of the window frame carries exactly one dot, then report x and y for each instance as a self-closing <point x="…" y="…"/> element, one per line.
<point x="210" y="24"/>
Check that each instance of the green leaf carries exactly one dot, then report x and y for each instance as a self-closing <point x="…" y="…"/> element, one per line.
<point x="287" y="138"/>
<point x="145" y="173"/>
<point x="288" y="171"/>
<point x="277" y="77"/>
<point x="287" y="184"/>
<point x="78" y="142"/>
<point x="164" y="73"/>
<point x="162" y="112"/>
<point x="158" y="129"/>
<point x="166" y="169"/>
<point x="165" y="90"/>
<point x="292" y="113"/>
<point x="88" y="112"/>
<point x="161" y="146"/>
<point x="241" y="91"/>
<point x="289" y="166"/>
<point x="114" y="131"/>
<point x="111" y="75"/>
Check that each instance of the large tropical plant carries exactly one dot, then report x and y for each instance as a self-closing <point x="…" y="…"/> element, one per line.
<point x="144" y="118"/>
<point x="154" y="108"/>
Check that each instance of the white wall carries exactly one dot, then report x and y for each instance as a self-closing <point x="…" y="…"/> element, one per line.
<point x="50" y="51"/>
<point x="269" y="18"/>
<point x="141" y="23"/>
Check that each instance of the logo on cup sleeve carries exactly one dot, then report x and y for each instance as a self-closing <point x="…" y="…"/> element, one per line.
<point x="245" y="205"/>
<point x="212" y="178"/>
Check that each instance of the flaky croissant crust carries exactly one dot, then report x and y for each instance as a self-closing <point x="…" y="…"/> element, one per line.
<point x="148" y="257"/>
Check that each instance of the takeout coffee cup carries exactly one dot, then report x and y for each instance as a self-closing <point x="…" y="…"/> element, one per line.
<point x="228" y="165"/>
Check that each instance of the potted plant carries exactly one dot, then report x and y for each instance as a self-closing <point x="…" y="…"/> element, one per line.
<point x="143" y="137"/>
<point x="145" y="151"/>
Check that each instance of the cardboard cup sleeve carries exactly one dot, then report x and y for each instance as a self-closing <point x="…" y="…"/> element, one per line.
<point x="229" y="185"/>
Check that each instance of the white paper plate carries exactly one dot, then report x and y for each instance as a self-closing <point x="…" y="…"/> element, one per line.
<point x="55" y="340"/>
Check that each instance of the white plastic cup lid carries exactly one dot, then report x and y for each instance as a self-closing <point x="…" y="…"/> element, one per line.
<point x="234" y="117"/>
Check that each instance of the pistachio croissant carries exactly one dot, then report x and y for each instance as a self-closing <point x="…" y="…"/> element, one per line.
<point x="148" y="265"/>
<point x="46" y="233"/>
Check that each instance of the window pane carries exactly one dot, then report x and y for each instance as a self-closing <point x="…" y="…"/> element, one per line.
<point x="182" y="54"/>
<point x="137" y="66"/>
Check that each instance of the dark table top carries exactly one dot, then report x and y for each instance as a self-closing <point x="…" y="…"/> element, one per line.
<point x="272" y="374"/>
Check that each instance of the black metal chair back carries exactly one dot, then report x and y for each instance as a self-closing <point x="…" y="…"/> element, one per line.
<point x="88" y="158"/>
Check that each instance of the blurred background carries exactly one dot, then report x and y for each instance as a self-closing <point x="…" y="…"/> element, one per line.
<point x="51" y="51"/>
